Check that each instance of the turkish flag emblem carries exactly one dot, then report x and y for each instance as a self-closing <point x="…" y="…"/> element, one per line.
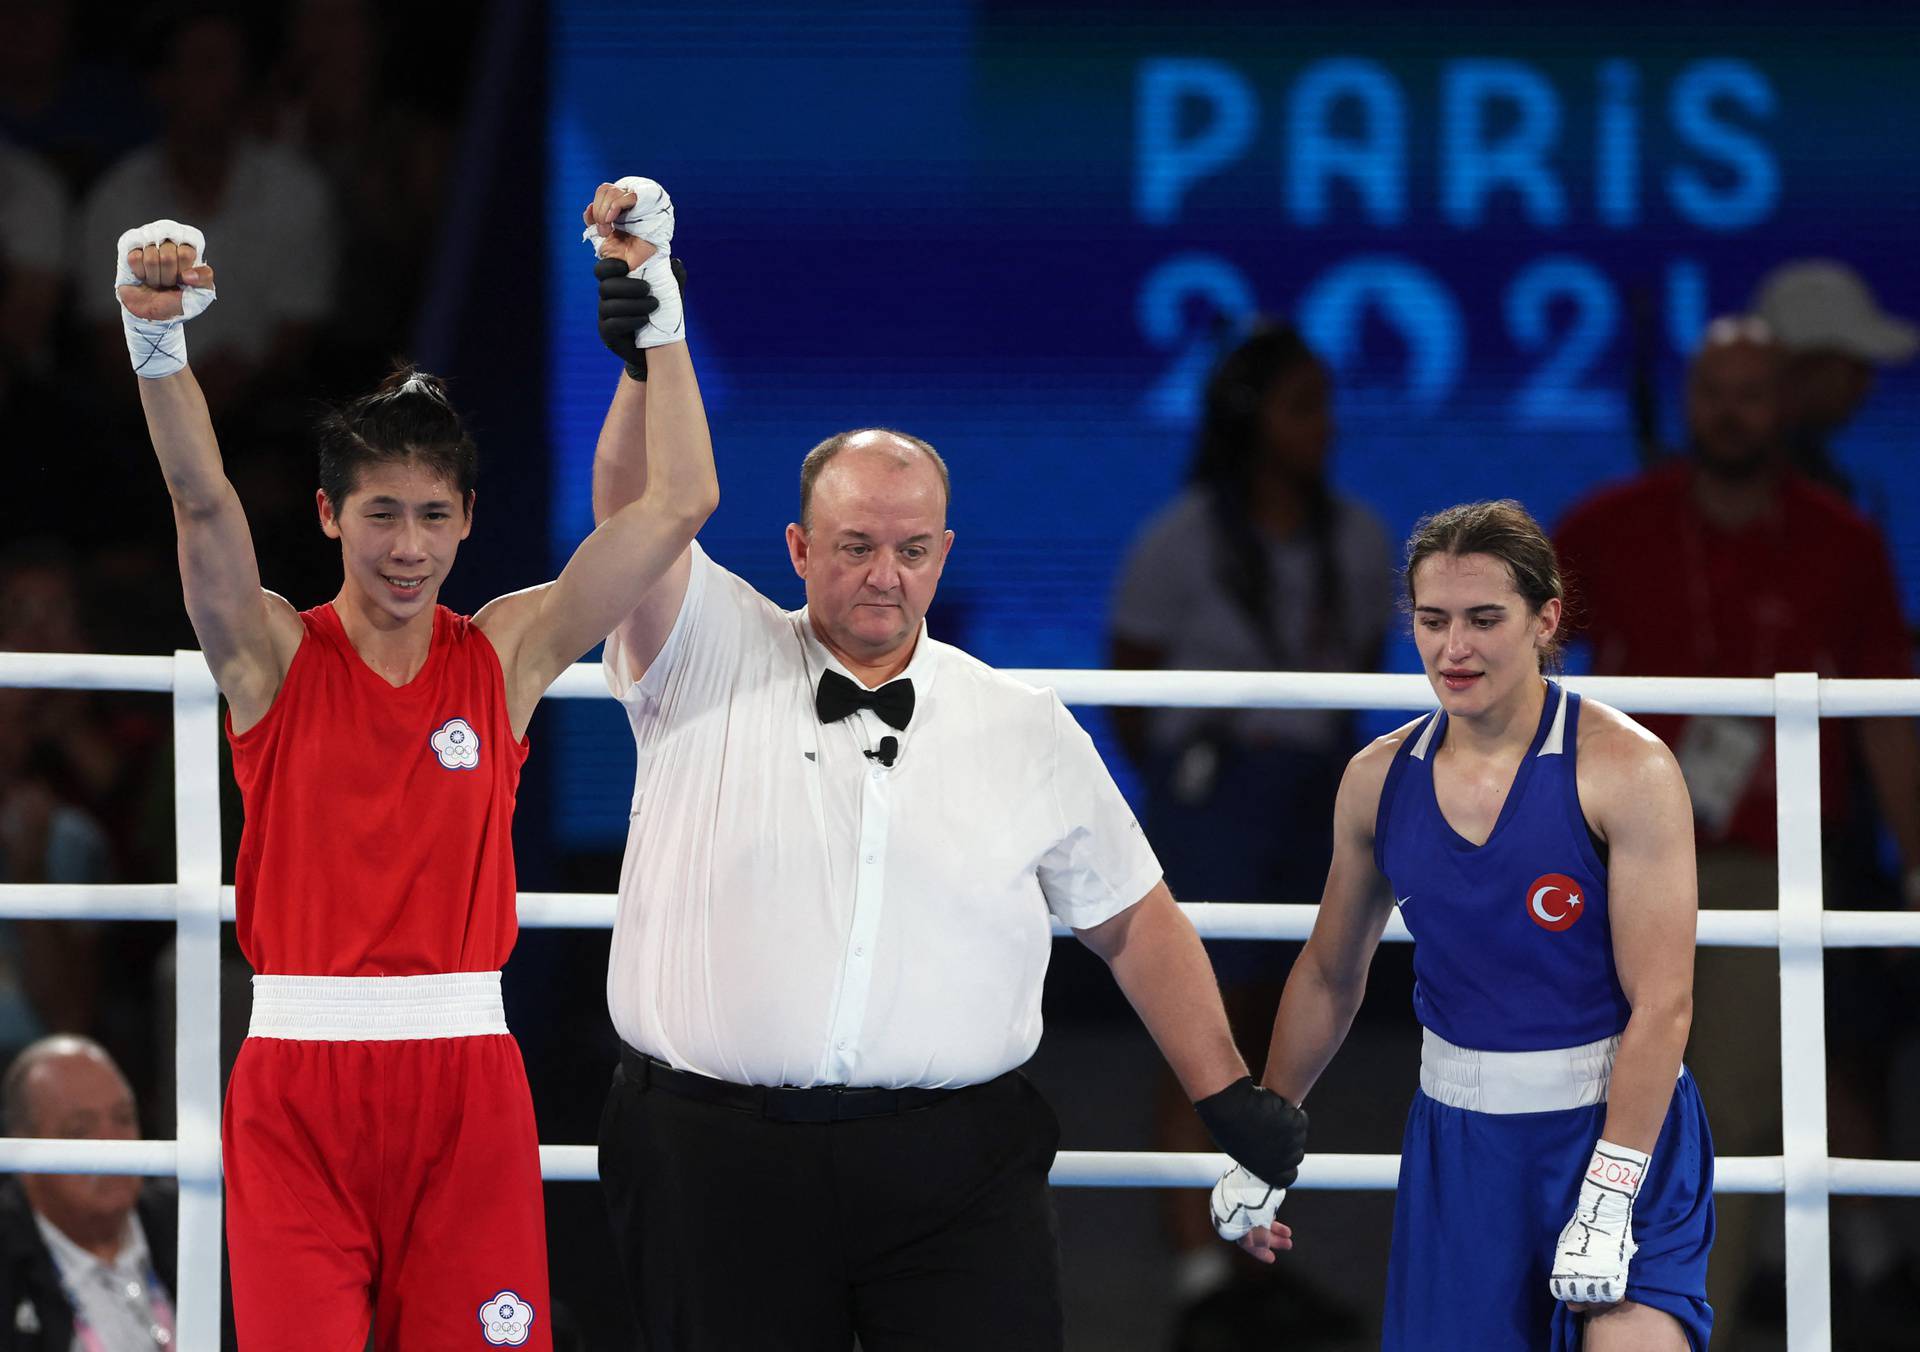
<point x="1554" y="901"/>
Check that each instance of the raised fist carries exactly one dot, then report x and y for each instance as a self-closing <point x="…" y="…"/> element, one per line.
<point x="630" y="226"/>
<point x="161" y="277"/>
<point x="602" y="216"/>
<point x="158" y="266"/>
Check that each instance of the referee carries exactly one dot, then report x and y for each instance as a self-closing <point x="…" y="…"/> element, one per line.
<point x="847" y="843"/>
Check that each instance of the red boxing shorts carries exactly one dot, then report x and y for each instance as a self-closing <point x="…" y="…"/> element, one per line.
<point x="382" y="1166"/>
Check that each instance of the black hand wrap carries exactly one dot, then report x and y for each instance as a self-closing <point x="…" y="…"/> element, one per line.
<point x="625" y="303"/>
<point x="1261" y="1130"/>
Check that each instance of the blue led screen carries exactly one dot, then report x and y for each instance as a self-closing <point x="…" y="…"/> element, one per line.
<point x="1023" y="232"/>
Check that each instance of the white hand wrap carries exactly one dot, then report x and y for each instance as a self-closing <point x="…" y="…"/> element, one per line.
<point x="1242" y="1202"/>
<point x="650" y="218"/>
<point x="1597" y="1245"/>
<point x="159" y="347"/>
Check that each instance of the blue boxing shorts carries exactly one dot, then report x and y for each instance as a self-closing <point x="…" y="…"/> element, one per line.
<point x="1483" y="1196"/>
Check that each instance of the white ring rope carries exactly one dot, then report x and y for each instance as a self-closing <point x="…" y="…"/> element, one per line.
<point x="1072" y="1169"/>
<point x="1213" y="919"/>
<point x="1801" y="928"/>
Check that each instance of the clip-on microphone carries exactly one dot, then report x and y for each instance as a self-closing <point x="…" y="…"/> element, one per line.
<point x="889" y="752"/>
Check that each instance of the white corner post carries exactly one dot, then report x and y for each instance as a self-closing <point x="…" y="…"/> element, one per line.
<point x="196" y="997"/>
<point x="1803" y="1018"/>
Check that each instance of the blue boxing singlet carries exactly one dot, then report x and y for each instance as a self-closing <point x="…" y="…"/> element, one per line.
<point x="1512" y="947"/>
<point x="1515" y="983"/>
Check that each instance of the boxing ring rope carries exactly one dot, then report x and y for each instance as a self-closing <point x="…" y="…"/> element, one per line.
<point x="1801" y="929"/>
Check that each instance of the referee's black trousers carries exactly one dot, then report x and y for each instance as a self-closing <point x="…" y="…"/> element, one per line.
<point x="927" y="1230"/>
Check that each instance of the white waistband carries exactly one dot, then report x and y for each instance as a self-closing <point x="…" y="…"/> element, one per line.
<point x="377" y="1008"/>
<point x="1515" y="1082"/>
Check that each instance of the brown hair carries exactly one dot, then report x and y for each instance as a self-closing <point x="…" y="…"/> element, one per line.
<point x="818" y="458"/>
<point x="1503" y="530"/>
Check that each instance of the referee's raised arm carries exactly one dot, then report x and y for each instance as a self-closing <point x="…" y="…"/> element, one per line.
<point x="630" y="227"/>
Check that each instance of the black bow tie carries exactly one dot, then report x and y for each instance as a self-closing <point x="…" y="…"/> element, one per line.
<point x="838" y="697"/>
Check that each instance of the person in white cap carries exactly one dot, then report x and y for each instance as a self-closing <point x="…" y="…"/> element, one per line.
<point x="1835" y="334"/>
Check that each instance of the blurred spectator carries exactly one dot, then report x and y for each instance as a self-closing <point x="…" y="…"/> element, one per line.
<point x="41" y="611"/>
<point x="1834" y="334"/>
<point x="33" y="65"/>
<point x="75" y="114"/>
<point x="86" y="778"/>
<point x="86" y="1260"/>
<point x="53" y="454"/>
<point x="49" y="970"/>
<point x="1758" y="571"/>
<point x="1730" y="563"/>
<point x="33" y="241"/>
<point x="1258" y="565"/>
<point x="1761" y="571"/>
<point x="384" y="158"/>
<point x="267" y="213"/>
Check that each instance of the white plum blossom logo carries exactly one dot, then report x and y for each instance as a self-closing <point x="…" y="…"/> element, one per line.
<point x="506" y="1320"/>
<point x="457" y="745"/>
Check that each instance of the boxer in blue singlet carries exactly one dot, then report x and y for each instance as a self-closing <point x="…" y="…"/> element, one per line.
<point x="1556" y="1181"/>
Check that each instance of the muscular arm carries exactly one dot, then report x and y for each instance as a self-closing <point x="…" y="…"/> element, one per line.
<point x="620" y="453"/>
<point x="1631" y="787"/>
<point x="1160" y="965"/>
<point x="620" y="477"/>
<point x="1329" y="979"/>
<point x="249" y="635"/>
<point x="542" y="631"/>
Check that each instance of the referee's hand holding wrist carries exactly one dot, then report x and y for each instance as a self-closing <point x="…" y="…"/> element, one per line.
<point x="1259" y="1128"/>
<point x="630" y="226"/>
<point x="626" y="304"/>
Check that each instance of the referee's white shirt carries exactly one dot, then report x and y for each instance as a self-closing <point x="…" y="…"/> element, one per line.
<point x="791" y="912"/>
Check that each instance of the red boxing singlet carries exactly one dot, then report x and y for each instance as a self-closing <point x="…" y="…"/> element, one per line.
<point x="379" y="819"/>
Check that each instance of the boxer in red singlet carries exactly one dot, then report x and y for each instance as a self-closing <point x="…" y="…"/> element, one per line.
<point x="381" y="1160"/>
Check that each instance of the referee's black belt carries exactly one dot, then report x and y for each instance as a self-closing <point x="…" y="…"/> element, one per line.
<point x="778" y="1103"/>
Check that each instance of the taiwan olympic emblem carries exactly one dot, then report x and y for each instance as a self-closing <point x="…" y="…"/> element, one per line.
<point x="1554" y="901"/>
<point x="506" y="1320"/>
<point x="456" y="744"/>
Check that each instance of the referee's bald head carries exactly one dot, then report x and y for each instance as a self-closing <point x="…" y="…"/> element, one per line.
<point x="903" y="448"/>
